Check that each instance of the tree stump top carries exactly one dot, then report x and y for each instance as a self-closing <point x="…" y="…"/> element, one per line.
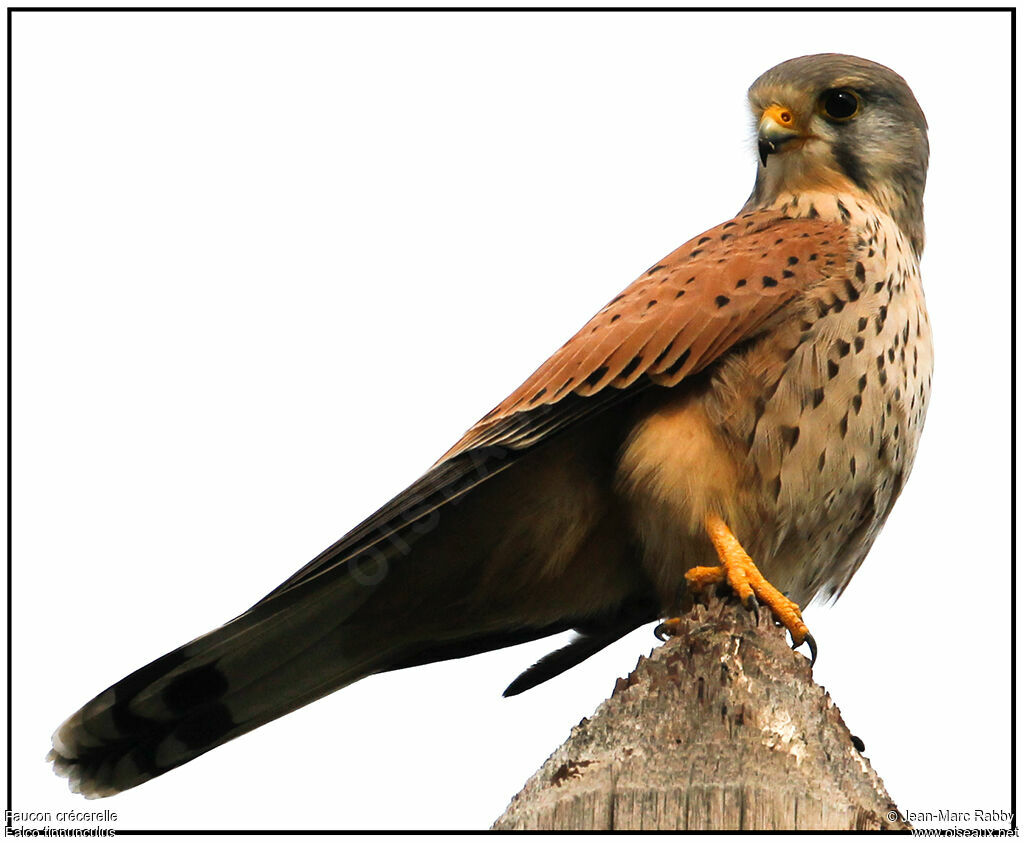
<point x="720" y="728"/>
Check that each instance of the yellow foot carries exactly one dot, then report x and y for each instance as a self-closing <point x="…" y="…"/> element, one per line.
<point x="739" y="571"/>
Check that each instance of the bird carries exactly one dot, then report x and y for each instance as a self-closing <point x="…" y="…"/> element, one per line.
<point x="743" y="416"/>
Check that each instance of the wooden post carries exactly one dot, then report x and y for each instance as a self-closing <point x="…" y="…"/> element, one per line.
<point x="721" y="728"/>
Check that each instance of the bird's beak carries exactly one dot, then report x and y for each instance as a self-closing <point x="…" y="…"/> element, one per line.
<point x="777" y="127"/>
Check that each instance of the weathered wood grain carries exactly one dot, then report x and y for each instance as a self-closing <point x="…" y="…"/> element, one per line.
<point x="721" y="728"/>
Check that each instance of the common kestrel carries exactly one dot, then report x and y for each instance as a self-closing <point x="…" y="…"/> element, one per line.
<point x="757" y="394"/>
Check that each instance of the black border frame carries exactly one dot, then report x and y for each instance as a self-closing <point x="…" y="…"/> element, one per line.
<point x="1013" y="334"/>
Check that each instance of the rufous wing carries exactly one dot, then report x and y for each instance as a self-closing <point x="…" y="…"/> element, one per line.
<point x="685" y="312"/>
<point x="681" y="315"/>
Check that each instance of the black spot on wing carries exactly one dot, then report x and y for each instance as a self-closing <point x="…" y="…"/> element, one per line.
<point x="661" y="357"/>
<point x="594" y="377"/>
<point x="631" y="366"/>
<point x="675" y="367"/>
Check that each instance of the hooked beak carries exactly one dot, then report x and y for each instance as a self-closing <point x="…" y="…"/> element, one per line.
<point x="777" y="127"/>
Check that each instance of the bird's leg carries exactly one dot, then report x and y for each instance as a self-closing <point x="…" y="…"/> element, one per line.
<point x="738" y="570"/>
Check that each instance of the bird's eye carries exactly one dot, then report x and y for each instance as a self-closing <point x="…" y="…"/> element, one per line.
<point x="840" y="104"/>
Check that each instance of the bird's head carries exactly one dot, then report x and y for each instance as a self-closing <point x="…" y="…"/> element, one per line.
<point x="843" y="124"/>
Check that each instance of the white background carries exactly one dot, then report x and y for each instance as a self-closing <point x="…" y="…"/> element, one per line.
<point x="268" y="267"/>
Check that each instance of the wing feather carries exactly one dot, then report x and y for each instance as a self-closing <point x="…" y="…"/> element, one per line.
<point x="713" y="292"/>
<point x="710" y="294"/>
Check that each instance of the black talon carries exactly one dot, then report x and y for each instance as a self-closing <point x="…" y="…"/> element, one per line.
<point x="751" y="603"/>
<point x="811" y="644"/>
<point x="661" y="632"/>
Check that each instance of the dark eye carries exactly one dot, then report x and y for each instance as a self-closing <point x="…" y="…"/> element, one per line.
<point x="840" y="104"/>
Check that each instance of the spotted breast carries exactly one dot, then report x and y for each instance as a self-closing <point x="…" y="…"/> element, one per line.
<point x="805" y="436"/>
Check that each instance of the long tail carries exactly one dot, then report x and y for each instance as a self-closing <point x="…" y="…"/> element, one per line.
<point x="278" y="656"/>
<point x="413" y="584"/>
<point x="282" y="654"/>
<point x="317" y="632"/>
